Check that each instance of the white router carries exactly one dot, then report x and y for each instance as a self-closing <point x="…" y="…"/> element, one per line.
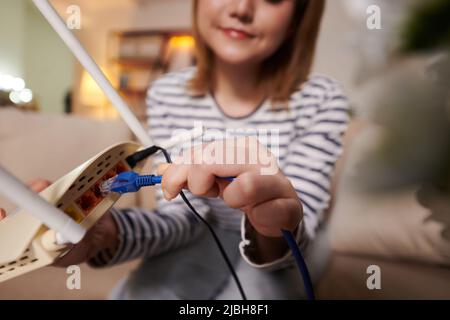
<point x="38" y="234"/>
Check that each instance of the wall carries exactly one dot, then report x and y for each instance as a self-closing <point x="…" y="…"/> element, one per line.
<point x="336" y="55"/>
<point x="30" y="49"/>
<point x="48" y="62"/>
<point x="12" y="37"/>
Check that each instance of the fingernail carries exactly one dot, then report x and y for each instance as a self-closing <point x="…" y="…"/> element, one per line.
<point x="167" y="195"/>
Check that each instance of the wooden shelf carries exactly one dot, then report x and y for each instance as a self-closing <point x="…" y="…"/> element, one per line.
<point x="137" y="58"/>
<point x="136" y="63"/>
<point x="134" y="92"/>
<point x="146" y="33"/>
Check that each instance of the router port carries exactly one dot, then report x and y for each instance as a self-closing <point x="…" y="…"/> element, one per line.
<point x="121" y="167"/>
<point x="88" y="201"/>
<point x="92" y="197"/>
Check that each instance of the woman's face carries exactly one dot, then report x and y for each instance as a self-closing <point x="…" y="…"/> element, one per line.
<point x="243" y="32"/>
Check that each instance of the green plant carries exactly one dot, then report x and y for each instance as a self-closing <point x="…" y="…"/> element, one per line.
<point x="428" y="27"/>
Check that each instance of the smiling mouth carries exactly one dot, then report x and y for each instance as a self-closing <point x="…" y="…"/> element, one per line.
<point x="237" y="34"/>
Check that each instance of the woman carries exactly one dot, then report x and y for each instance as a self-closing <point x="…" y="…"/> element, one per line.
<point x="254" y="60"/>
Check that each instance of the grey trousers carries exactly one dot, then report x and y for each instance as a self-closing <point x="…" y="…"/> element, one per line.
<point x="199" y="272"/>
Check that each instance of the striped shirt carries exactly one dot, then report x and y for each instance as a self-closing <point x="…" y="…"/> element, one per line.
<point x="308" y="144"/>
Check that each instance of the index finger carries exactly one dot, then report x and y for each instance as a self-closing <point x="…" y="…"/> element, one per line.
<point x="236" y="154"/>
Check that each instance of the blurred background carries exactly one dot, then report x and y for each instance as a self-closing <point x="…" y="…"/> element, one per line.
<point x="392" y="204"/>
<point x="135" y="40"/>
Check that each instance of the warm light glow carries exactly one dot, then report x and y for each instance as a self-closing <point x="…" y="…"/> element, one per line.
<point x="5" y="82"/>
<point x="8" y="82"/>
<point x="92" y="97"/>
<point x="26" y="95"/>
<point x="90" y="93"/>
<point x="180" y="52"/>
<point x="14" y="96"/>
<point x="17" y="84"/>
<point x="181" y="42"/>
<point x="23" y="96"/>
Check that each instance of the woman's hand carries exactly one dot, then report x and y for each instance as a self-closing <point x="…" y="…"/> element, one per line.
<point x="103" y="235"/>
<point x="269" y="200"/>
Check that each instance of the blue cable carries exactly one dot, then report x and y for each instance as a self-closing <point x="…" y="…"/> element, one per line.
<point x="301" y="264"/>
<point x="130" y="181"/>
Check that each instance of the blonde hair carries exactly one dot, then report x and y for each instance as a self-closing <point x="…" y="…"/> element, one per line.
<point x="286" y="70"/>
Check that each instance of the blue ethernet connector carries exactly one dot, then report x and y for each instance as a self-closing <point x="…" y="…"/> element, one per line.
<point x="129" y="181"/>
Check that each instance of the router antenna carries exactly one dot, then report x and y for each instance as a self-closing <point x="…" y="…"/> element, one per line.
<point x="23" y="197"/>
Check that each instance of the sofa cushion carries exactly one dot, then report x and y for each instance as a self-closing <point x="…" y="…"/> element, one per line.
<point x="412" y="223"/>
<point x="346" y="278"/>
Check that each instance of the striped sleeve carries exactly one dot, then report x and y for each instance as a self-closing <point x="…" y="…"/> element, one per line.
<point x="309" y="165"/>
<point x="313" y="154"/>
<point x="147" y="233"/>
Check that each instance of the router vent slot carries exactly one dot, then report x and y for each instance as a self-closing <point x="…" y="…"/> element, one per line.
<point x="85" y="193"/>
<point x="26" y="259"/>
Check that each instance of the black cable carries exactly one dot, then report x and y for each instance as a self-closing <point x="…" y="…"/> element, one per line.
<point x="136" y="157"/>
<point x="211" y="230"/>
